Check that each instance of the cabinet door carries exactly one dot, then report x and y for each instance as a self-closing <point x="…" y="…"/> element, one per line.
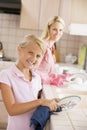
<point x="35" y="13"/>
<point x="78" y="11"/>
<point x="30" y="14"/>
<point x="48" y="9"/>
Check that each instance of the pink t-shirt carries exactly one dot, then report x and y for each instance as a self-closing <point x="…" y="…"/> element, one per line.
<point x="47" y="62"/>
<point x="24" y="91"/>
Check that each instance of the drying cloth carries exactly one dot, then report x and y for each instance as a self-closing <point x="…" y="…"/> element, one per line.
<point x="40" y="117"/>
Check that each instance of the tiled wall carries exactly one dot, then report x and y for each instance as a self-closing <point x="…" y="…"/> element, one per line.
<point x="11" y="34"/>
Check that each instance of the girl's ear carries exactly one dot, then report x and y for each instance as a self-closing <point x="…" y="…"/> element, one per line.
<point x="19" y="49"/>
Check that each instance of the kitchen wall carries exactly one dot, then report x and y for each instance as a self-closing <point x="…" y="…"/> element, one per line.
<point x="11" y="34"/>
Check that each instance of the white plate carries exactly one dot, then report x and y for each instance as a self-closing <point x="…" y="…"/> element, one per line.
<point x="69" y="102"/>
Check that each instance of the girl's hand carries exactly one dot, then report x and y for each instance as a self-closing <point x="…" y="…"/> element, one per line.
<point x="51" y="103"/>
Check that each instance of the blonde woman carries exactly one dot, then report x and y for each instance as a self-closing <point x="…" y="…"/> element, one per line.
<point x="52" y="33"/>
<point x="20" y="85"/>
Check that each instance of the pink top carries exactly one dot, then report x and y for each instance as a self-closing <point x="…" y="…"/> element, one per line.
<point x="24" y="91"/>
<point x="47" y="62"/>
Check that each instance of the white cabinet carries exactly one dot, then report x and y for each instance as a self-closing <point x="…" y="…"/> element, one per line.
<point x="35" y="13"/>
<point x="78" y="11"/>
<point x="30" y="14"/>
<point x="73" y="11"/>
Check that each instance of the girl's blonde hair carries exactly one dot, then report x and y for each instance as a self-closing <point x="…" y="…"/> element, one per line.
<point x="29" y="39"/>
<point x="45" y="34"/>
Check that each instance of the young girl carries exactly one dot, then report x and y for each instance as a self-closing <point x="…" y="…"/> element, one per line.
<point x="20" y="85"/>
<point x="52" y="33"/>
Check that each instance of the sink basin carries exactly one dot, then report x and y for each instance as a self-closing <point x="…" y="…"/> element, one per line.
<point x="67" y="68"/>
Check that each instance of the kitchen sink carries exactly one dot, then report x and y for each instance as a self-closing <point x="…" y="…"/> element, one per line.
<point x="67" y="68"/>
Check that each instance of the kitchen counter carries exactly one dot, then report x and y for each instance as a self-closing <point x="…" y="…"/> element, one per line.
<point x="75" y="119"/>
<point x="72" y="119"/>
<point x="5" y="64"/>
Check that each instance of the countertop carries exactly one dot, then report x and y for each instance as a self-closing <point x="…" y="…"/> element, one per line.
<point x="72" y="119"/>
<point x="5" y="64"/>
<point x="75" y="119"/>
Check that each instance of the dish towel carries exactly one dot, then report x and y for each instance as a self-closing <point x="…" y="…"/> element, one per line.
<point x="40" y="117"/>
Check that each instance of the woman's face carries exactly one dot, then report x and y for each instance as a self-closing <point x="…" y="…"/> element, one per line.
<point x="30" y="56"/>
<point x="56" y="31"/>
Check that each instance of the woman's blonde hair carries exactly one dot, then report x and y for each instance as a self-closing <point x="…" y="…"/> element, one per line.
<point x="45" y="33"/>
<point x="29" y="39"/>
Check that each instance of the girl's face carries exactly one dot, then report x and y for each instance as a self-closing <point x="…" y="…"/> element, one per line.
<point x="30" y="56"/>
<point x="56" y="31"/>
